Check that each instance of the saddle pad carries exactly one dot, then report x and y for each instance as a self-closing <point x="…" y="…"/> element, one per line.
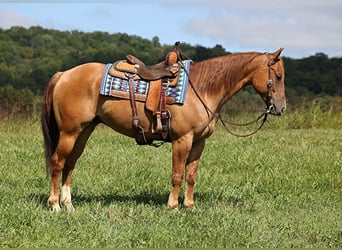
<point x="118" y="87"/>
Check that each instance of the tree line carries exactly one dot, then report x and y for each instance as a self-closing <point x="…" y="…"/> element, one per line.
<point x="30" y="56"/>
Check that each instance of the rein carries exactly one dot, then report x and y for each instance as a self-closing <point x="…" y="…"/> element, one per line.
<point x="218" y="116"/>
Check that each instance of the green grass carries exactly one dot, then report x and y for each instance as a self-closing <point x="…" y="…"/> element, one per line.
<point x="278" y="188"/>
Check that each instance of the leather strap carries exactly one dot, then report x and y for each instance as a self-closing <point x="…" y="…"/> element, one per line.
<point x="139" y="130"/>
<point x="164" y="115"/>
<point x="269" y="83"/>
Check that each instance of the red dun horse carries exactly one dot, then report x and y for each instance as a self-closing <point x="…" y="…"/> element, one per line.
<point x="73" y="107"/>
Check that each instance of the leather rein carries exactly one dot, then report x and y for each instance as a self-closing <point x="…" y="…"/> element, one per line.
<point x="264" y="115"/>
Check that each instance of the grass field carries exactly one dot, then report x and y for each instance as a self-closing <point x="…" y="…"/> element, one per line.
<point x="279" y="188"/>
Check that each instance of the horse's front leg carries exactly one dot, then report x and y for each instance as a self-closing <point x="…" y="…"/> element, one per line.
<point x="180" y="152"/>
<point x="191" y="172"/>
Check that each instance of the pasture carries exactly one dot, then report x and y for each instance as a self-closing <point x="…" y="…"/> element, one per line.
<point x="279" y="188"/>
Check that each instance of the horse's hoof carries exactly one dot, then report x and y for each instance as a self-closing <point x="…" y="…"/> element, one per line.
<point x="174" y="207"/>
<point x="55" y="208"/>
<point x="191" y="205"/>
<point x="70" y="208"/>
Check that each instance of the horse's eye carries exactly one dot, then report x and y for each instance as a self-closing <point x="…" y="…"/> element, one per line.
<point x="278" y="77"/>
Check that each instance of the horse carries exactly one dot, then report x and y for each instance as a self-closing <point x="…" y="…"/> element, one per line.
<point x="72" y="108"/>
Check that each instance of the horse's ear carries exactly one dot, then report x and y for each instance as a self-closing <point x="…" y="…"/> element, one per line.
<point x="276" y="54"/>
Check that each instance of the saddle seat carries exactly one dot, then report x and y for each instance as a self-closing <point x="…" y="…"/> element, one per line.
<point x="166" y="70"/>
<point x="154" y="72"/>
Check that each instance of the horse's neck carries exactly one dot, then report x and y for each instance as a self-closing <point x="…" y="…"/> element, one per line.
<point x="220" y="78"/>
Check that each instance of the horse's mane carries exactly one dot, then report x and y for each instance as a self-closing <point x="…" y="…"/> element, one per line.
<point x="208" y="76"/>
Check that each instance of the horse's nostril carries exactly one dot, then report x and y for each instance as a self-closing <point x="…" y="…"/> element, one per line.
<point x="282" y="109"/>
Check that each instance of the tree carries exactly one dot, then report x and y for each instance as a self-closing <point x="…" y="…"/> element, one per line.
<point x="29" y="57"/>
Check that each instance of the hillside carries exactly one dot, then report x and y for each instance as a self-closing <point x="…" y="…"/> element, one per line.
<point x="30" y="56"/>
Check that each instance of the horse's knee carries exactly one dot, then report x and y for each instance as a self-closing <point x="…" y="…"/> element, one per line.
<point x="191" y="179"/>
<point x="177" y="179"/>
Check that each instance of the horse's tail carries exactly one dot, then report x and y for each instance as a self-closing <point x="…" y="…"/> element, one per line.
<point x="48" y="122"/>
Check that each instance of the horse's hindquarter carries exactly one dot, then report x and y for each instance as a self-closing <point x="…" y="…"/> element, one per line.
<point x="76" y="95"/>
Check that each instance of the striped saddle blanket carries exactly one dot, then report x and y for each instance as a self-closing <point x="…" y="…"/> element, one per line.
<point x="118" y="87"/>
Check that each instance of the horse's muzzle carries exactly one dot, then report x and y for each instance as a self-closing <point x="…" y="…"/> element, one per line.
<point x="274" y="110"/>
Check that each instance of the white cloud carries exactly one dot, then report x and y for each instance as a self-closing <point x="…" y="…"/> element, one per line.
<point x="300" y="26"/>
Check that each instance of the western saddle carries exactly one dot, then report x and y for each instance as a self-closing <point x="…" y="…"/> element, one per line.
<point x="160" y="76"/>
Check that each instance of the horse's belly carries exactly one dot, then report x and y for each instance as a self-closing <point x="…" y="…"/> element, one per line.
<point x="117" y="114"/>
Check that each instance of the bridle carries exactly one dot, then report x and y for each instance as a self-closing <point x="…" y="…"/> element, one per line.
<point x="264" y="115"/>
<point x="269" y="100"/>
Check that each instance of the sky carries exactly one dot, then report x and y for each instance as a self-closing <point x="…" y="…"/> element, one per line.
<point x="302" y="27"/>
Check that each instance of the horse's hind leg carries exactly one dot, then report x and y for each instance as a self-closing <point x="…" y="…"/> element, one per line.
<point x="70" y="164"/>
<point x="64" y="147"/>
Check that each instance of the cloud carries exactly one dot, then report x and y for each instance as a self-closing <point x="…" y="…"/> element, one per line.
<point x="9" y="19"/>
<point x="300" y="26"/>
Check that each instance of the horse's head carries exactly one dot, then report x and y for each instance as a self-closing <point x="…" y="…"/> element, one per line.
<point x="268" y="80"/>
